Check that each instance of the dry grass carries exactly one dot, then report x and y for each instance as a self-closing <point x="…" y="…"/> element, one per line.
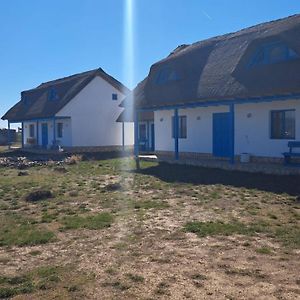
<point x="166" y="232"/>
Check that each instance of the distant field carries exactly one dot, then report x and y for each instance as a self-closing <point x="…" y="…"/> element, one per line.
<point x="166" y="232"/>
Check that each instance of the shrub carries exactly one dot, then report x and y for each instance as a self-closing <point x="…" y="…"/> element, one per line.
<point x="38" y="195"/>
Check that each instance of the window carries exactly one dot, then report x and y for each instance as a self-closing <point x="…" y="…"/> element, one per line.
<point x="182" y="128"/>
<point x="31" y="130"/>
<point x="115" y="96"/>
<point x="283" y="124"/>
<point x="59" y="130"/>
<point x="273" y="53"/>
<point x="52" y="94"/>
<point x="166" y="75"/>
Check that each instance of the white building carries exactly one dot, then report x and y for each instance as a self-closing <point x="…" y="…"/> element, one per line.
<point x="76" y="111"/>
<point x="226" y="96"/>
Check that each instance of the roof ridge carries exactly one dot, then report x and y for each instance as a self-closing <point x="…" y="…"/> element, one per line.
<point x="229" y="35"/>
<point x="66" y="78"/>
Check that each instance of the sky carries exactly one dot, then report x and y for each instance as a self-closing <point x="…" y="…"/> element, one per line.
<point x="49" y="39"/>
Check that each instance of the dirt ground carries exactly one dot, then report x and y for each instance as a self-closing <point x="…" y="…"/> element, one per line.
<point x="164" y="232"/>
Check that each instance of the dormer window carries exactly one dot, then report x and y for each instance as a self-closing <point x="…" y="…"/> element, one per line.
<point x="114" y="96"/>
<point x="52" y="94"/>
<point x="273" y="53"/>
<point x="166" y="75"/>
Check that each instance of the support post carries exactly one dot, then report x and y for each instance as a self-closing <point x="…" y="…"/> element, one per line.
<point x="22" y="137"/>
<point x="8" y="134"/>
<point x="148" y="135"/>
<point x="232" y="133"/>
<point x="123" y="136"/>
<point x="136" y="139"/>
<point x="176" y="131"/>
<point x="54" y="132"/>
<point x="37" y="133"/>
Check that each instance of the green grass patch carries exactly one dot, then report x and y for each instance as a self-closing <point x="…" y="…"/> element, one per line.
<point x="41" y="279"/>
<point x="203" y="229"/>
<point x="16" y="231"/>
<point x="264" y="250"/>
<point x="98" y="221"/>
<point x="288" y="235"/>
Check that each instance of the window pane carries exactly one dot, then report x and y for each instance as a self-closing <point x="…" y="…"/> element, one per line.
<point x="59" y="130"/>
<point x="292" y="53"/>
<point x="31" y="130"/>
<point x="173" y="126"/>
<point x="289" y="126"/>
<point x="276" y="124"/>
<point x="182" y="127"/>
<point x="283" y="124"/>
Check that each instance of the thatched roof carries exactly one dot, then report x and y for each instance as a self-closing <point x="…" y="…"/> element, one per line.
<point x="218" y="68"/>
<point x="35" y="103"/>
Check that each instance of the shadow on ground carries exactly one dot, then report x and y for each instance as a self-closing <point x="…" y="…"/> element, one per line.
<point x="208" y="176"/>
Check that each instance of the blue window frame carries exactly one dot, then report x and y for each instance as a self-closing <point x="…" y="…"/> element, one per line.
<point x="273" y="53"/>
<point x="166" y="75"/>
<point x="52" y="94"/>
<point x="114" y="96"/>
<point x="182" y="127"/>
<point x="31" y="130"/>
<point x="59" y="130"/>
<point x="283" y="124"/>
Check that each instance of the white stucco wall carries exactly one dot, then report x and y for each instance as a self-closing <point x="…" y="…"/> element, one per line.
<point x="66" y="139"/>
<point x="94" y="113"/>
<point x="252" y="134"/>
<point x="199" y="132"/>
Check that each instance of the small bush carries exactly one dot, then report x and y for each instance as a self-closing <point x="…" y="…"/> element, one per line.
<point x="264" y="250"/>
<point x="38" y="195"/>
<point x="23" y="173"/>
<point x="112" y="187"/>
<point x="135" y="277"/>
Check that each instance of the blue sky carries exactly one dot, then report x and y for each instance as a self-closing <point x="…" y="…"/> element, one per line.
<point x="44" y="40"/>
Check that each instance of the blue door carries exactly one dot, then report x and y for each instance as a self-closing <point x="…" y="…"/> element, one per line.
<point x="221" y="134"/>
<point x="45" y="134"/>
<point x="152" y="137"/>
